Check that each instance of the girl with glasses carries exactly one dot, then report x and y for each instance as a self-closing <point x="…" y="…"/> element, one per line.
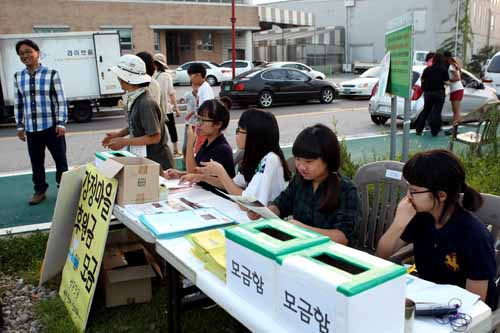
<point x="450" y="245"/>
<point x="263" y="173"/>
<point x="212" y="118"/>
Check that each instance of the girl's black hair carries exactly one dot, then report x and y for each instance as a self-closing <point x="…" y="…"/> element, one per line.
<point x="159" y="66"/>
<point x="440" y="170"/>
<point x="439" y="61"/>
<point x="262" y="137"/>
<point x="320" y="142"/>
<point x="215" y="110"/>
<point x="149" y="61"/>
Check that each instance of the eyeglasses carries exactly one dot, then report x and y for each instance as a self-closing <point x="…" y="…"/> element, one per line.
<point x="412" y="193"/>
<point x="240" y="131"/>
<point x="202" y="120"/>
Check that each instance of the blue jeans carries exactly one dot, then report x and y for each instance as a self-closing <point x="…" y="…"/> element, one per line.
<point x="37" y="142"/>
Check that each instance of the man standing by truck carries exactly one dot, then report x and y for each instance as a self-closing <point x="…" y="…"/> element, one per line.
<point x="41" y="114"/>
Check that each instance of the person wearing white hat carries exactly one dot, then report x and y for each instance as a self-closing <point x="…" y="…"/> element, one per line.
<point x="145" y="135"/>
<point x="168" y="101"/>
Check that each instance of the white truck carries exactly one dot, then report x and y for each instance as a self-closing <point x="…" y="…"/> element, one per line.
<point x="82" y="60"/>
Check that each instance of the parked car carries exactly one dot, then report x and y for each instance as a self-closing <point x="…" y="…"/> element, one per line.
<point x="266" y="86"/>
<point x="492" y="73"/>
<point x="362" y="85"/>
<point x="300" y="66"/>
<point x="475" y="94"/>
<point x="419" y="58"/>
<point x="242" y="66"/>
<point x="215" y="74"/>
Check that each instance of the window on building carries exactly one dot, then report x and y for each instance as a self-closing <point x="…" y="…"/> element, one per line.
<point x="185" y="41"/>
<point x="492" y="23"/>
<point x="157" y="40"/>
<point x="45" y="29"/>
<point x="125" y="37"/>
<point x="207" y="43"/>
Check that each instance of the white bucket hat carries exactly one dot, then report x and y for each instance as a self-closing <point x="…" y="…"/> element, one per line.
<point x="159" y="57"/>
<point x="131" y="69"/>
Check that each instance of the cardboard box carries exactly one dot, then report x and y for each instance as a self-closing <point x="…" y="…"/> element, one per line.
<point x="334" y="288"/>
<point x="127" y="269"/>
<point x="251" y="252"/>
<point x="138" y="179"/>
<point x="100" y="157"/>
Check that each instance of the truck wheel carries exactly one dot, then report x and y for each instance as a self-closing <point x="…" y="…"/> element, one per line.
<point x="82" y="112"/>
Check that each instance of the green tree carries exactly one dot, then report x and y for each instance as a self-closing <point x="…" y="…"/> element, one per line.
<point x="464" y="30"/>
<point x="479" y="59"/>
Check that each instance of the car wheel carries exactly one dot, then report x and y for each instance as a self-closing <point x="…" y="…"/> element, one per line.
<point x="379" y="120"/>
<point x="82" y="112"/>
<point x="319" y="78"/>
<point x="211" y="80"/>
<point x="265" y="99"/>
<point x="327" y="95"/>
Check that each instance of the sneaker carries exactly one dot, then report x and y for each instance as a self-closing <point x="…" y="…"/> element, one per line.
<point x="37" y="198"/>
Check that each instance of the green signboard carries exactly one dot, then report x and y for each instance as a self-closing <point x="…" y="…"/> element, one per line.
<point x="399" y="43"/>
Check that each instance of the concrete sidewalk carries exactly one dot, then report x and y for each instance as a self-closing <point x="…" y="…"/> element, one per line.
<point x="16" y="190"/>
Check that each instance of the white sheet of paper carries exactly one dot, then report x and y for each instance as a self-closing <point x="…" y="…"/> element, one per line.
<point x="254" y="205"/>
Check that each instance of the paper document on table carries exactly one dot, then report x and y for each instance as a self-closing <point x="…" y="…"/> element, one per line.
<point x="254" y="205"/>
<point x="421" y="291"/>
<point x="169" y="225"/>
<point x="164" y="206"/>
<point x="173" y="184"/>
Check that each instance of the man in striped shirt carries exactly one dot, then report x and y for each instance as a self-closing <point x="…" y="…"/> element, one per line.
<point x="41" y="114"/>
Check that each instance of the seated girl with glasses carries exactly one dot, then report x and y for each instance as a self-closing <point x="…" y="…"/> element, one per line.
<point x="213" y="118"/>
<point x="450" y="245"/>
<point x="318" y="197"/>
<point x="263" y="173"/>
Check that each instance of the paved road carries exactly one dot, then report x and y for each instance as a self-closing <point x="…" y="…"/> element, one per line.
<point x="349" y="116"/>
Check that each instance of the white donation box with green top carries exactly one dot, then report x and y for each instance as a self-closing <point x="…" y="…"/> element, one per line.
<point x="334" y="288"/>
<point x="251" y="252"/>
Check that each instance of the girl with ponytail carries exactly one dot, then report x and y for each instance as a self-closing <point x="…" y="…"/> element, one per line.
<point x="451" y="246"/>
<point x="318" y="197"/>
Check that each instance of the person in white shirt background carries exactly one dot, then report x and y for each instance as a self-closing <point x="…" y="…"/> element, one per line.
<point x="263" y="172"/>
<point x="456" y="86"/>
<point x="168" y="102"/>
<point x="197" y="73"/>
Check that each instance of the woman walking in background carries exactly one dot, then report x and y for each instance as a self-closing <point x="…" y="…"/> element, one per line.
<point x="168" y="102"/>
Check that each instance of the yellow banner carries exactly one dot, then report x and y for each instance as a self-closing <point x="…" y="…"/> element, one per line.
<point x="86" y="249"/>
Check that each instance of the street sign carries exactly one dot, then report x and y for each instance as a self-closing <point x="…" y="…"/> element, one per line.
<point x="400" y="44"/>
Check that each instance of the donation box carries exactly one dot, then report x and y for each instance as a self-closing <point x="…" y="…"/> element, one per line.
<point x="334" y="288"/>
<point x="251" y="252"/>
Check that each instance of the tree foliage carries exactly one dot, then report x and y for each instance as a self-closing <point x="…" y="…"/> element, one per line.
<point x="464" y="41"/>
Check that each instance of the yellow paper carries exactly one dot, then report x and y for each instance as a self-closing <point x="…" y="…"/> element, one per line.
<point x="88" y="241"/>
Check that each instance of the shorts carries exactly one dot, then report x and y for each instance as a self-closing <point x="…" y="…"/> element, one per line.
<point x="457" y="95"/>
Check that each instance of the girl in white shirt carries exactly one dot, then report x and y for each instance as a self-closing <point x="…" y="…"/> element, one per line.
<point x="263" y="173"/>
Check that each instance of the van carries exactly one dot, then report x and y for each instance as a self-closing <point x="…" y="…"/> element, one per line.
<point x="492" y="73"/>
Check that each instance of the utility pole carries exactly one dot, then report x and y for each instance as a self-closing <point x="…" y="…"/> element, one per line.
<point x="233" y="37"/>
<point x="456" y="28"/>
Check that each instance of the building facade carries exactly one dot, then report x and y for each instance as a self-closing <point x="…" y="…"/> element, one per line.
<point x="183" y="30"/>
<point x="365" y="22"/>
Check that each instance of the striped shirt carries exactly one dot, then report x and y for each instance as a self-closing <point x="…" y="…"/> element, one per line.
<point x="40" y="101"/>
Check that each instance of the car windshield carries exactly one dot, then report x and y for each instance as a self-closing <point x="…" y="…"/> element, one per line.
<point x="372" y="72"/>
<point x="494" y="66"/>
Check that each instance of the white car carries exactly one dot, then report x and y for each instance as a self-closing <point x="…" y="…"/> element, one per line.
<point x="475" y="94"/>
<point x="362" y="85"/>
<point x="215" y="74"/>
<point x="242" y="66"/>
<point x="492" y="73"/>
<point x="300" y="66"/>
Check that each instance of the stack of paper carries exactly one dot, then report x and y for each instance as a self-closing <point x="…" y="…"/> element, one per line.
<point x="176" y="224"/>
<point x="210" y="247"/>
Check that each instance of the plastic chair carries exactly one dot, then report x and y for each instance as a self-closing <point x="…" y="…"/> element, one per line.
<point x="381" y="186"/>
<point x="484" y="120"/>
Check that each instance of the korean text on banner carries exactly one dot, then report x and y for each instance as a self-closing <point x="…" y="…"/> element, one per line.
<point x="88" y="241"/>
<point x="399" y="43"/>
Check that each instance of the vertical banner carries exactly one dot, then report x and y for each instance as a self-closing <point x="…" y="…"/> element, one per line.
<point x="88" y="241"/>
